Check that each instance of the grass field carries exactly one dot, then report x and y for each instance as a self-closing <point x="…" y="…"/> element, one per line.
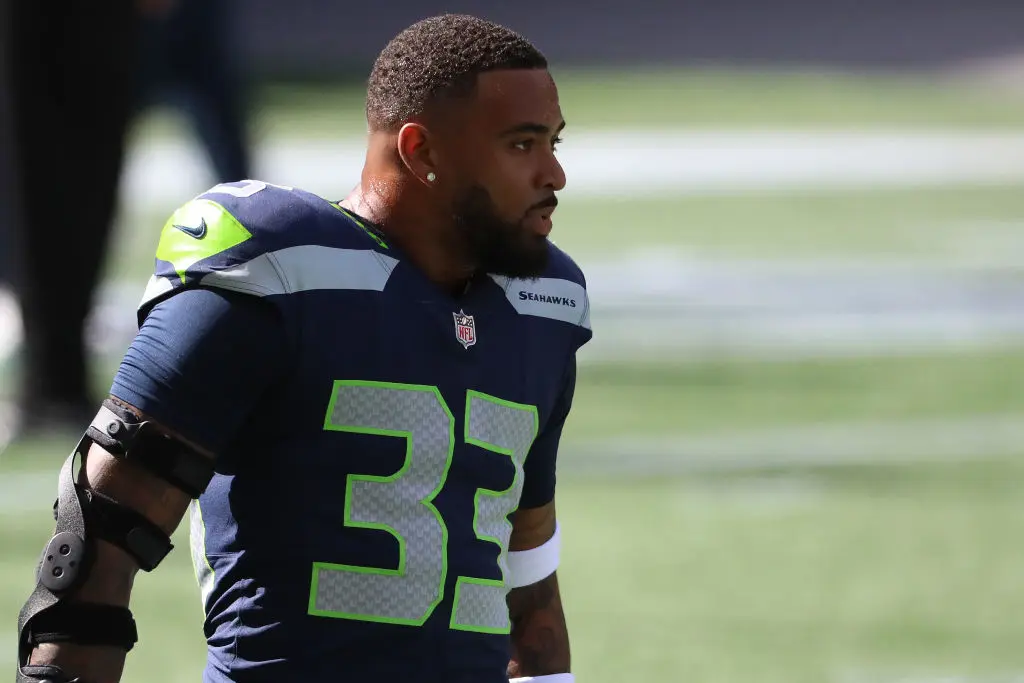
<point x="855" y="572"/>
<point x="679" y="97"/>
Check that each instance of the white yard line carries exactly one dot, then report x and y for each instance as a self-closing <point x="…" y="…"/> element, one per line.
<point x="635" y="163"/>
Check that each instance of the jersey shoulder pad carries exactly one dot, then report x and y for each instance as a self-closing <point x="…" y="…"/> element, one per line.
<point x="561" y="265"/>
<point x="559" y="294"/>
<point x="264" y="240"/>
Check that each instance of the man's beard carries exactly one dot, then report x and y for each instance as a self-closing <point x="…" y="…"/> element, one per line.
<point x="494" y="244"/>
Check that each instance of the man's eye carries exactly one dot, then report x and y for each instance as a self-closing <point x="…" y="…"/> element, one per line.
<point x="524" y="145"/>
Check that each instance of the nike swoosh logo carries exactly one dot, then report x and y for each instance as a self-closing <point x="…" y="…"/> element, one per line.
<point x="199" y="231"/>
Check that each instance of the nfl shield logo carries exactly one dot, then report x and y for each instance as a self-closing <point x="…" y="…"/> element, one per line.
<point x="465" y="329"/>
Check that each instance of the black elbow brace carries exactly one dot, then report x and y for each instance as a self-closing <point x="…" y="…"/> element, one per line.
<point x="82" y="517"/>
<point x="45" y="674"/>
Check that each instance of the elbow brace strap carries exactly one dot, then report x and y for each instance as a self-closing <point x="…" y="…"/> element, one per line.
<point x="45" y="674"/>
<point x="121" y="434"/>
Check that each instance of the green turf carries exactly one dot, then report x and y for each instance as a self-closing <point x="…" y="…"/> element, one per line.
<point x="945" y="223"/>
<point x="793" y="579"/>
<point x="660" y="97"/>
<point x="672" y="97"/>
<point x="694" y="97"/>
<point x="728" y="395"/>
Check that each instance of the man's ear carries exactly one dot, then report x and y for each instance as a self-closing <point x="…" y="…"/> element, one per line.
<point x="417" y="153"/>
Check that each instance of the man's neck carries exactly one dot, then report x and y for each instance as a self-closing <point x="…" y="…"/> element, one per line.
<point x="415" y="230"/>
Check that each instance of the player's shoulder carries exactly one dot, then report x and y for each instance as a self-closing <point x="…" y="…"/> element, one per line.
<point x="277" y="216"/>
<point x="559" y="294"/>
<point x="562" y="266"/>
<point x="259" y="238"/>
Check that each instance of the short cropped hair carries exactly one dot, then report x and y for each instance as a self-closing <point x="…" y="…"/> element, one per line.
<point x="440" y="57"/>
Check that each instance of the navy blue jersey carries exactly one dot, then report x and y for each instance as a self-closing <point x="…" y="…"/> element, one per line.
<point x="373" y="432"/>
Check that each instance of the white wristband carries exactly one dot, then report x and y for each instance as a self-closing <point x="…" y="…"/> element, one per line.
<point x="526" y="567"/>
<point x="550" y="678"/>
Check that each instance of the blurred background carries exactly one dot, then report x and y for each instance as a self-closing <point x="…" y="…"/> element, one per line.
<point x="796" y="450"/>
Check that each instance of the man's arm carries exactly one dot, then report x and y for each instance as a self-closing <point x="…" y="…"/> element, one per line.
<point x="112" y="575"/>
<point x="178" y="375"/>
<point x="540" y="637"/>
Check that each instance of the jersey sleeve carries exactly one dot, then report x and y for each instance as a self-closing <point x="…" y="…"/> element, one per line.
<point x="539" y="468"/>
<point x="194" y="367"/>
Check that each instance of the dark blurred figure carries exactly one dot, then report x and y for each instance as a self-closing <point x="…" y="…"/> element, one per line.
<point x="77" y="77"/>
<point x="8" y="190"/>
<point x="188" y="62"/>
<point x="73" y="73"/>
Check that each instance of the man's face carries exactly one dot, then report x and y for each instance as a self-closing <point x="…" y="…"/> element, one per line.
<point x="502" y="155"/>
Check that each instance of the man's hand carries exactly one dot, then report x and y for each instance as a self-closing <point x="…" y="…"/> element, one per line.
<point x="540" y="638"/>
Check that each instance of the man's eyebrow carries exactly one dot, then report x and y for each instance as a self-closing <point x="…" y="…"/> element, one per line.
<point x="533" y="128"/>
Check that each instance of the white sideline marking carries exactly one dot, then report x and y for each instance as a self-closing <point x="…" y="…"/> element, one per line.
<point x="632" y="163"/>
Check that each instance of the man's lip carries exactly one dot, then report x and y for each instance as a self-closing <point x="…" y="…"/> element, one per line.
<point x="546" y="226"/>
<point x="548" y="204"/>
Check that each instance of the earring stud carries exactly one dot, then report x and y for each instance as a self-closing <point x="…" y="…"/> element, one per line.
<point x="431" y="177"/>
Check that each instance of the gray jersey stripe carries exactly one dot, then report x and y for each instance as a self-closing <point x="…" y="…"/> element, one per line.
<point x="155" y="288"/>
<point x="295" y="269"/>
<point x="305" y="268"/>
<point x="200" y="561"/>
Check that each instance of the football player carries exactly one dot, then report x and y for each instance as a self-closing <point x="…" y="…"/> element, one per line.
<point x="358" y="403"/>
